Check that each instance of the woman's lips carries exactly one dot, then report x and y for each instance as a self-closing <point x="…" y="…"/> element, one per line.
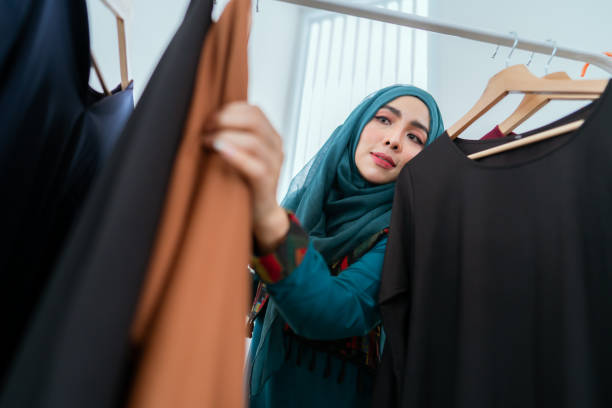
<point x="383" y="160"/>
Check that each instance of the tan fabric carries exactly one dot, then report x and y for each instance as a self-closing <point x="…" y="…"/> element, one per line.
<point x="191" y="318"/>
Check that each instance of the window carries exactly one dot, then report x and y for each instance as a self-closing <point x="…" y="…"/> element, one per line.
<point x="345" y="59"/>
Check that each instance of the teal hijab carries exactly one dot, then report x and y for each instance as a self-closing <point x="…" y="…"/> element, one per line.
<point x="335" y="204"/>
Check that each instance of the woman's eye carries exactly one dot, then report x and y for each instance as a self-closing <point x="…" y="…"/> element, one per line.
<point x="414" y="138"/>
<point x="383" y="120"/>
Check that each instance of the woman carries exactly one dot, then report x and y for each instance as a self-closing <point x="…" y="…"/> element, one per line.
<point x="316" y="336"/>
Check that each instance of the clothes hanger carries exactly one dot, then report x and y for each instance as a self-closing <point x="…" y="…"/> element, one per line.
<point x="96" y="68"/>
<point x="586" y="66"/>
<point x="518" y="78"/>
<point x="531" y="103"/>
<point x="120" y="9"/>
<point x="547" y="134"/>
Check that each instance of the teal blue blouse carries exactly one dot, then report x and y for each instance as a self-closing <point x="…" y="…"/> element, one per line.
<point x="318" y="306"/>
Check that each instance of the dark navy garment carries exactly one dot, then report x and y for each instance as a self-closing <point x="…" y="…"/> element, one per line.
<point x="76" y="351"/>
<point x="55" y="135"/>
<point x="101" y="128"/>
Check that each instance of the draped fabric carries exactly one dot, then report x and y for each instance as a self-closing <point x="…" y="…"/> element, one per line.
<point x="56" y="134"/>
<point x="190" y="325"/>
<point x="76" y="352"/>
<point x="496" y="282"/>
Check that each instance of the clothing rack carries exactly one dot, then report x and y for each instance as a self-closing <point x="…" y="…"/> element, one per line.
<point x="457" y="30"/>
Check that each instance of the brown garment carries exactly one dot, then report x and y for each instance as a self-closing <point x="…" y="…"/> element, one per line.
<point x="190" y="322"/>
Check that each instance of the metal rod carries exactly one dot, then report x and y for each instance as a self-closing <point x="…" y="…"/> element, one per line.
<point x="457" y="30"/>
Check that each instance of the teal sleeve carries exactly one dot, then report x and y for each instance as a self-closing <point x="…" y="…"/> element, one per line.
<point x="320" y="306"/>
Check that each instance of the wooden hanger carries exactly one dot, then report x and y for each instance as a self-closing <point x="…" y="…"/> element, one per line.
<point x="531" y="103"/>
<point x="120" y="9"/>
<point x="96" y="68"/>
<point x="547" y="134"/>
<point x="517" y="78"/>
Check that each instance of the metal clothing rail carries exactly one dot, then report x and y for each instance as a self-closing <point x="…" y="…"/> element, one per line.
<point x="457" y="30"/>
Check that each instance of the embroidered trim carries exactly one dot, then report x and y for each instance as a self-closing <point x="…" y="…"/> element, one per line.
<point x="363" y="351"/>
<point x="358" y="252"/>
<point x="279" y="264"/>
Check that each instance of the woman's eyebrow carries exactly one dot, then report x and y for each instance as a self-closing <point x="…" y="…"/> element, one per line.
<point x="421" y="126"/>
<point x="398" y="113"/>
<point x="393" y="110"/>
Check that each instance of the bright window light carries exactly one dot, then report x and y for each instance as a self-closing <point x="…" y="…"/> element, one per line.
<point x="347" y="58"/>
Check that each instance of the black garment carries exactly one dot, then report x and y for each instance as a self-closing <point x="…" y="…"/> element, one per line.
<point x="56" y="133"/>
<point x="76" y="352"/>
<point x="497" y="281"/>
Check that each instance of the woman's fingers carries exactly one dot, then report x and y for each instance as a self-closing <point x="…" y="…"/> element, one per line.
<point x="250" y="167"/>
<point x="242" y="116"/>
<point x="246" y="140"/>
<point x="249" y="144"/>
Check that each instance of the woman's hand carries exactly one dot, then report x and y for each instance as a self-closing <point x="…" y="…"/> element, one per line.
<point x="244" y="137"/>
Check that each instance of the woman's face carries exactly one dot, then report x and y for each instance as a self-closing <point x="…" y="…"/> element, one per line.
<point x="397" y="132"/>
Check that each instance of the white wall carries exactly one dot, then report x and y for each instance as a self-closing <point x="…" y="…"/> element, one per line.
<point x="459" y="69"/>
<point x="273" y="50"/>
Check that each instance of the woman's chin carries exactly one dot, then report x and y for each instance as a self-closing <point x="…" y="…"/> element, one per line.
<point x="380" y="177"/>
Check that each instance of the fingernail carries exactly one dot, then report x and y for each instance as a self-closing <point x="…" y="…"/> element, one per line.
<point x="221" y="146"/>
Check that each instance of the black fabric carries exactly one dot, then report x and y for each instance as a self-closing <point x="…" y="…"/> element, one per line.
<point x="76" y="351"/>
<point x="56" y="133"/>
<point x="497" y="278"/>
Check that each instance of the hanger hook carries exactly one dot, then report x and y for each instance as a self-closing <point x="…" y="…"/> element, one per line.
<point x="554" y="44"/>
<point x="495" y="52"/>
<point x="530" y="58"/>
<point x="257" y="6"/>
<point x="513" y="48"/>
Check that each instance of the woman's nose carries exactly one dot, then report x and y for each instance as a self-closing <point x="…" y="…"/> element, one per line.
<point x="393" y="142"/>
